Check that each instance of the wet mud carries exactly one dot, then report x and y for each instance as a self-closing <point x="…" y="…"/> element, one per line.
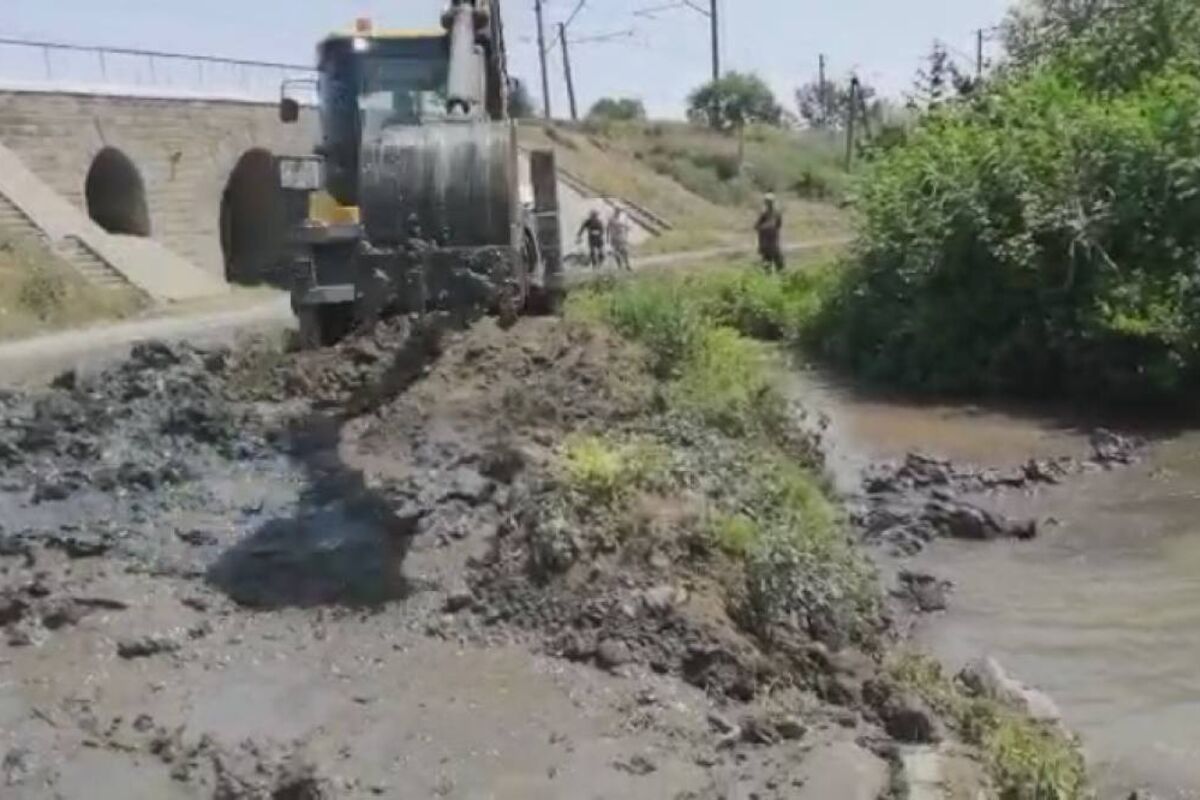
<point x="245" y="573"/>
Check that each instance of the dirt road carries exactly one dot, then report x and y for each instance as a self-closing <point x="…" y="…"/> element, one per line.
<point x="38" y="358"/>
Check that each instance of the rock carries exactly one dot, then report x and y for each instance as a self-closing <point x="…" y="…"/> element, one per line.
<point x="90" y="544"/>
<point x="987" y="678"/>
<point x="612" y="653"/>
<point x="197" y="537"/>
<point x="758" y="730"/>
<point x="12" y="609"/>
<point x="1113" y="449"/>
<point x="637" y="765"/>
<point x="62" y="613"/>
<point x="19" y="636"/>
<point x="17" y="766"/>
<point x="907" y="719"/>
<point x="144" y="723"/>
<point x="926" y="592"/>
<point x="790" y="728"/>
<point x="469" y="486"/>
<point x="51" y="490"/>
<point x="459" y="598"/>
<point x="146" y="646"/>
<point x="153" y="355"/>
<point x="502" y="463"/>
<point x="720" y="724"/>
<point x="66" y="381"/>
<point x="660" y="600"/>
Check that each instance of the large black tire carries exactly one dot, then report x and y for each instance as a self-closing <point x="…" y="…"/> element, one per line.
<point x="324" y="325"/>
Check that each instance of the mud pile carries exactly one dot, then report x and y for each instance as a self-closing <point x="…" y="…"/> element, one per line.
<point x="908" y="504"/>
<point x="471" y="454"/>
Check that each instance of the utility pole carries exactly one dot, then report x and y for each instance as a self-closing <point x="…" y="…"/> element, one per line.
<point x="979" y="54"/>
<point x="562" y="37"/>
<point x="541" y="35"/>
<point x="851" y="108"/>
<point x="822" y="94"/>
<point x="716" y="41"/>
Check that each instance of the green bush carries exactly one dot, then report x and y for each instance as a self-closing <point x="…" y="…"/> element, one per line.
<point x="1041" y="238"/>
<point x="802" y="568"/>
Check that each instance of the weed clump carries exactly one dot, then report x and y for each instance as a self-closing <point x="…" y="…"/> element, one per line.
<point x="605" y="471"/>
<point x="1026" y="759"/>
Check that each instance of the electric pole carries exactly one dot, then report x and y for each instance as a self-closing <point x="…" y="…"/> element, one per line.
<point x="850" y="110"/>
<point x="822" y="95"/>
<point x="541" y="35"/>
<point x="979" y="54"/>
<point x="716" y="41"/>
<point x="562" y="37"/>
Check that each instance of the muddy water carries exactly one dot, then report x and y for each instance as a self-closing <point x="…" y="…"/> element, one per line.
<point x="1102" y="610"/>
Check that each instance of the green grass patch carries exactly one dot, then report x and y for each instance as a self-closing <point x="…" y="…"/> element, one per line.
<point x="1027" y="760"/>
<point x="606" y="471"/>
<point x="774" y="515"/>
<point x="803" y="568"/>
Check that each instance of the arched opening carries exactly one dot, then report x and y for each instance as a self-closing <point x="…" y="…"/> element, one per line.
<point x="252" y="221"/>
<point x="116" y="196"/>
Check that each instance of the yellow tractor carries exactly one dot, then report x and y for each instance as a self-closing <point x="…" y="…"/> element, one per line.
<point x="412" y="200"/>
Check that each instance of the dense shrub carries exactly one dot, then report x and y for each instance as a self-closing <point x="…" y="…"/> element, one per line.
<point x="1040" y="237"/>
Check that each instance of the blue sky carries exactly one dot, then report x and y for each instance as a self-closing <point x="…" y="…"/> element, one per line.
<point x="666" y="55"/>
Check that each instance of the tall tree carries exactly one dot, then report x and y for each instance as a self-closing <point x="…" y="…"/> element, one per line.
<point x="619" y="108"/>
<point x="734" y="101"/>
<point x="827" y="107"/>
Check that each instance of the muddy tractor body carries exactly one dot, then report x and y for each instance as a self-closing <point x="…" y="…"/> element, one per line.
<point x="415" y="200"/>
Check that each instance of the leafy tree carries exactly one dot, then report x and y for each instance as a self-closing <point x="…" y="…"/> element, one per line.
<point x="828" y="106"/>
<point x="939" y="80"/>
<point x="520" y="104"/>
<point x="1108" y="45"/>
<point x="624" y="109"/>
<point x="1043" y="236"/>
<point x="734" y="101"/>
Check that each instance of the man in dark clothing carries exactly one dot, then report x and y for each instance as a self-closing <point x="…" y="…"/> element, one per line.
<point x="769" y="227"/>
<point x="593" y="226"/>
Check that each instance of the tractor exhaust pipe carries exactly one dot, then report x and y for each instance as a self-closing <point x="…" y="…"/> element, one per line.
<point x="465" y="83"/>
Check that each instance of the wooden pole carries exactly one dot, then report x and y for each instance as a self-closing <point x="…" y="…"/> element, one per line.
<point x="851" y="108"/>
<point x="541" y="37"/>
<point x="562" y="36"/>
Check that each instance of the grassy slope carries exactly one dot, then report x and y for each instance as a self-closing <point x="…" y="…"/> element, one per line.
<point x="38" y="292"/>
<point x="687" y="174"/>
<point x="702" y="329"/>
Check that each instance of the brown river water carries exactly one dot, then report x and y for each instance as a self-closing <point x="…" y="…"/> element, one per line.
<point x="1102" y="610"/>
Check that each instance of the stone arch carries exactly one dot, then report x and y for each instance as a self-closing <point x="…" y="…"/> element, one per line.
<point x="252" y="221"/>
<point x="116" y="194"/>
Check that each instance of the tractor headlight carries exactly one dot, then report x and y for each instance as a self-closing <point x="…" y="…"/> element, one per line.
<point x="305" y="174"/>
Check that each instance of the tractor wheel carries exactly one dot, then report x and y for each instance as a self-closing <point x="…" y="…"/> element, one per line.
<point x="324" y="325"/>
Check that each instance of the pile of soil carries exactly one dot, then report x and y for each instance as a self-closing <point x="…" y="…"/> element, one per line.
<point x="406" y="481"/>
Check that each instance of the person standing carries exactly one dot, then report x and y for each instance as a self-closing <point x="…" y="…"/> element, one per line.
<point x="618" y="238"/>
<point x="593" y="226"/>
<point x="770" y="229"/>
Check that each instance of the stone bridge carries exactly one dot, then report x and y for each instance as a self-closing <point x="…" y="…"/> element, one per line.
<point x="167" y="188"/>
<point x="190" y="175"/>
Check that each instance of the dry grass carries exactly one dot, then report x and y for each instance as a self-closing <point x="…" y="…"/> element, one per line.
<point x="39" y="292"/>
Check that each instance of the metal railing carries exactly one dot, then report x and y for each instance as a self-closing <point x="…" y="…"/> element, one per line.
<point x="68" y="66"/>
